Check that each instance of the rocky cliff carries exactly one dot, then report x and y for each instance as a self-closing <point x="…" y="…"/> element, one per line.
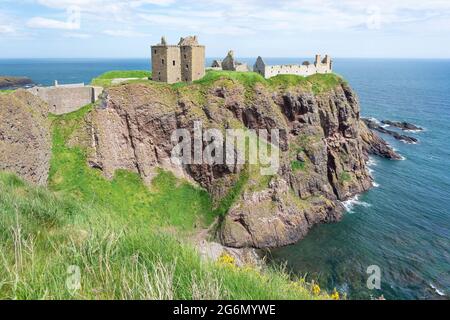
<point x="25" y="143"/>
<point x="324" y="149"/>
<point x="324" y="146"/>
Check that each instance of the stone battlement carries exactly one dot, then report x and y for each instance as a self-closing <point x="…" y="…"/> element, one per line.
<point x="305" y="69"/>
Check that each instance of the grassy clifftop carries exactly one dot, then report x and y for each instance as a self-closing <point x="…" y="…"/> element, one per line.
<point x="316" y="83"/>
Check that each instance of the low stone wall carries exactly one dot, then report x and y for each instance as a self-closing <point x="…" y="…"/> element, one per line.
<point x="66" y="99"/>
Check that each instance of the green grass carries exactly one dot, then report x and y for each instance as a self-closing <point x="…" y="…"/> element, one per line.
<point x="44" y="235"/>
<point x="125" y="74"/>
<point x="6" y="91"/>
<point x="106" y="78"/>
<point x="297" y="165"/>
<point x="345" y="177"/>
<point x="233" y="194"/>
<point x="246" y="78"/>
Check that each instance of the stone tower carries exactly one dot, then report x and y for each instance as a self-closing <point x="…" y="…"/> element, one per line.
<point x="166" y="62"/>
<point x="175" y="63"/>
<point x="192" y="59"/>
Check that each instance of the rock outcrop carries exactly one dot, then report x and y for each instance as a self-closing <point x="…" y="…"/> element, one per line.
<point x="14" y="82"/>
<point x="25" y="143"/>
<point x="324" y="149"/>
<point x="405" y="126"/>
<point x="373" y="125"/>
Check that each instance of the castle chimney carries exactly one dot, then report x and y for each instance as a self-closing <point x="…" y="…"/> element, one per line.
<point x="317" y="62"/>
<point x="163" y="41"/>
<point x="328" y="61"/>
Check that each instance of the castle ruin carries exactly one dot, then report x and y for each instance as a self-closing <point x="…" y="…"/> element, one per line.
<point x="229" y="64"/>
<point x="176" y="63"/>
<point x="305" y="69"/>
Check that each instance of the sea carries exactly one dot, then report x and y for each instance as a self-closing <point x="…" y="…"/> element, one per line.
<point x="394" y="240"/>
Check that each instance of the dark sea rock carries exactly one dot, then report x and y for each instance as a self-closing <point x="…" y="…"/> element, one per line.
<point x="402" y="125"/>
<point x="401" y="137"/>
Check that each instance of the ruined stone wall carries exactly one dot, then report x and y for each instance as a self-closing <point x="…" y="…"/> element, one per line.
<point x="300" y="70"/>
<point x="192" y="63"/>
<point x="306" y="69"/>
<point x="65" y="99"/>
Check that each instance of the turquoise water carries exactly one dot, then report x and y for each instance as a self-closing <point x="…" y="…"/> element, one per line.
<point x="403" y="225"/>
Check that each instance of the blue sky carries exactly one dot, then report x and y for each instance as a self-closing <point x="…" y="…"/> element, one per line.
<point x="282" y="28"/>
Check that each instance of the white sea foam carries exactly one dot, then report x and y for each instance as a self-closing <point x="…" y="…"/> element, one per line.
<point x="375" y="185"/>
<point x="351" y="203"/>
<point x="370" y="164"/>
<point x="374" y="120"/>
<point x="439" y="292"/>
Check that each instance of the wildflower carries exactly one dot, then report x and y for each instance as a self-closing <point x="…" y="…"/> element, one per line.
<point x="335" y="295"/>
<point x="316" y="289"/>
<point x="227" y="260"/>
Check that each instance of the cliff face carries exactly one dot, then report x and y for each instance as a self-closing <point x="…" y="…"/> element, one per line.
<point x="324" y="150"/>
<point x="25" y="144"/>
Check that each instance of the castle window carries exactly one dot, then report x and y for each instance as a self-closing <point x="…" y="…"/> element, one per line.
<point x="185" y="56"/>
<point x="154" y="51"/>
<point x="173" y="62"/>
<point x="162" y="61"/>
<point x="187" y="66"/>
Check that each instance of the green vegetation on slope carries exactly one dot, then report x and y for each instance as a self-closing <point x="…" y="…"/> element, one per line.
<point x="123" y="238"/>
<point x="171" y="202"/>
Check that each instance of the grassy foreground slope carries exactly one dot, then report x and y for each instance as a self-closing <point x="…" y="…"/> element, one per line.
<point x="123" y="240"/>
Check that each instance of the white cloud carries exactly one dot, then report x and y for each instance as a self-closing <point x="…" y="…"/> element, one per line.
<point x="44" y="23"/>
<point x="125" y="33"/>
<point x="7" y="29"/>
<point x="78" y="35"/>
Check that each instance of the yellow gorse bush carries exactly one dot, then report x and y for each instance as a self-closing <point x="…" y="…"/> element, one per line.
<point x="316" y="289"/>
<point x="227" y="260"/>
<point x="335" y="295"/>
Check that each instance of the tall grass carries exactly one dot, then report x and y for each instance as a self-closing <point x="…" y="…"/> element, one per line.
<point x="115" y="259"/>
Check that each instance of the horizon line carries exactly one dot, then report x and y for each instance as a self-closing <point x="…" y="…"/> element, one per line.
<point x="215" y="57"/>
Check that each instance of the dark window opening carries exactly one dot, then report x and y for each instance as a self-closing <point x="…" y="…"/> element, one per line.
<point x="162" y="61"/>
<point x="154" y="51"/>
<point x="173" y="62"/>
<point x="185" y="56"/>
<point x="187" y="66"/>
